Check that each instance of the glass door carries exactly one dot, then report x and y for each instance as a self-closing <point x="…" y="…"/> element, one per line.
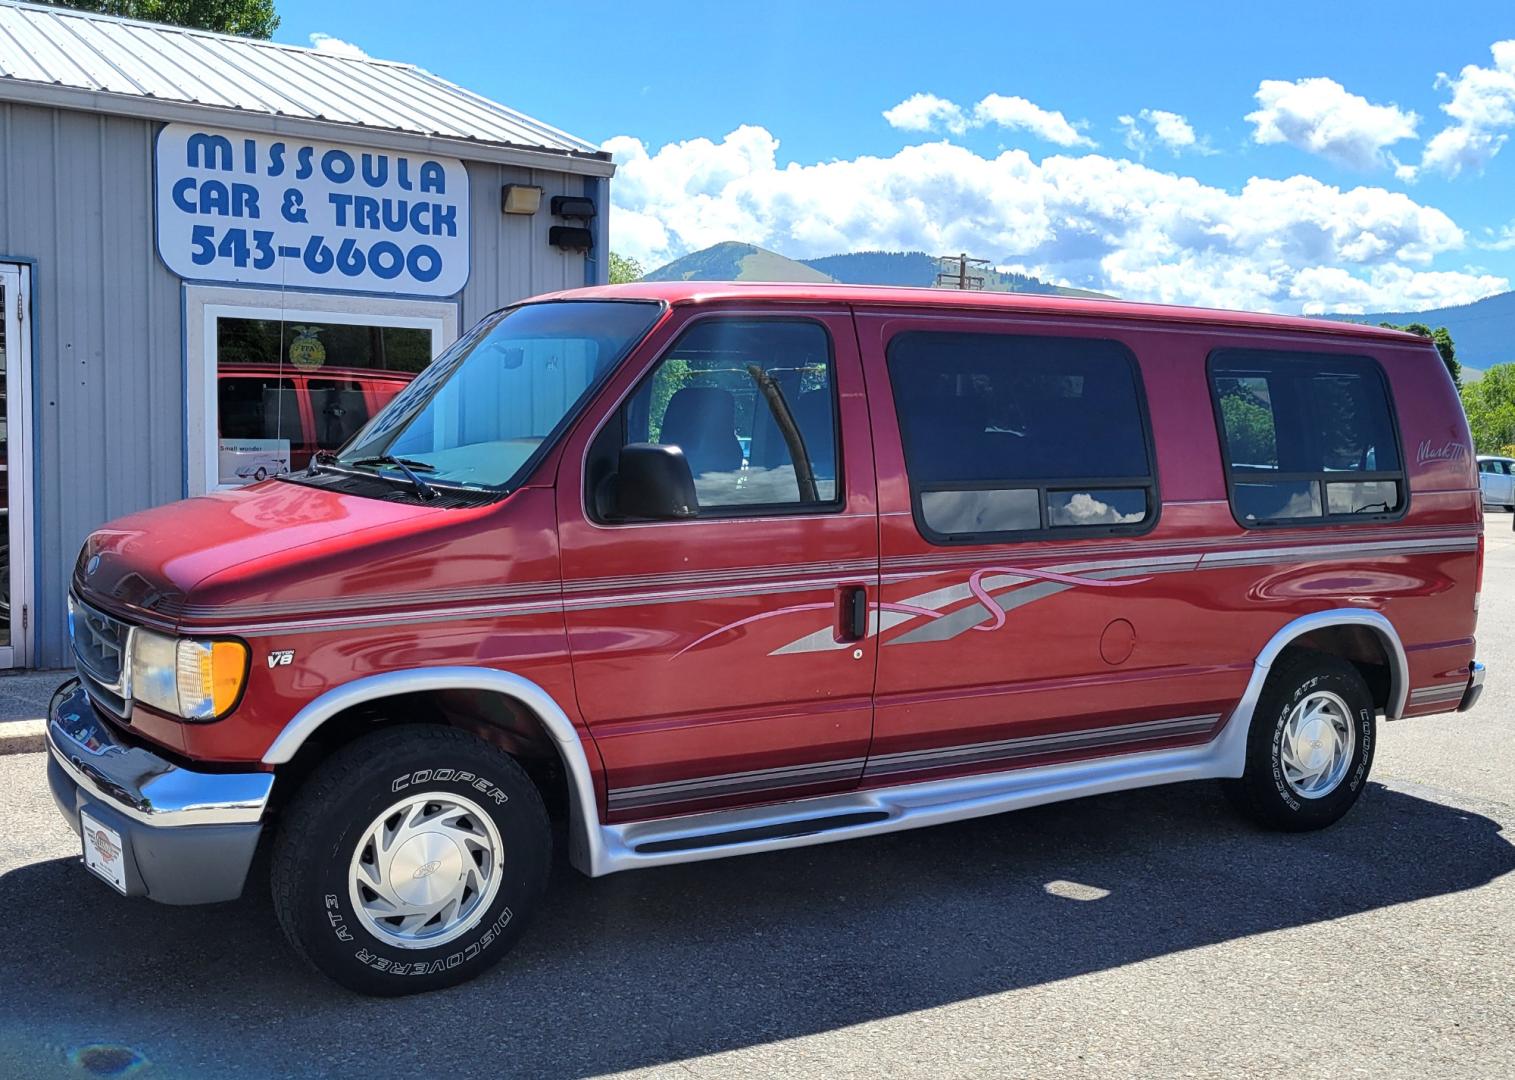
<point x="15" y="467"/>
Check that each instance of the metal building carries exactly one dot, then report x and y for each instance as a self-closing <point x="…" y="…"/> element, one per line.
<point x="218" y="255"/>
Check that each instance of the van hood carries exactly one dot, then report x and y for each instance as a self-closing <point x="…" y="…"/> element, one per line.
<point x="256" y="538"/>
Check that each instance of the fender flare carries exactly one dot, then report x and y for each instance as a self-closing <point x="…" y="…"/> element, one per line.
<point x="1231" y="744"/>
<point x="586" y="844"/>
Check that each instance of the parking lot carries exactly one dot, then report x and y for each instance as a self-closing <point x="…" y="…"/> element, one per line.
<point x="1151" y="933"/>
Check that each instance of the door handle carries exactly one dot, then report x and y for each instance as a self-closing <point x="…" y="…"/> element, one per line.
<point x="852" y="605"/>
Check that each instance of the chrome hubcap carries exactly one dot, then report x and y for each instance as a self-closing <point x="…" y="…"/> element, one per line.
<point x="1318" y="743"/>
<point x="425" y="870"/>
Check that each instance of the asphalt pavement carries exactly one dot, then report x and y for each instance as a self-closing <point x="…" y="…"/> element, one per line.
<point x="1144" y="934"/>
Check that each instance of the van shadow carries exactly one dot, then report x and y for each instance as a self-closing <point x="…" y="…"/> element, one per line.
<point x="660" y="966"/>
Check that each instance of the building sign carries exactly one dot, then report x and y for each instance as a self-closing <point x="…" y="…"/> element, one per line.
<point x="257" y="209"/>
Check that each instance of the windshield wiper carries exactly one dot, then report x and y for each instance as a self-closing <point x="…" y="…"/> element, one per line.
<point x="406" y="466"/>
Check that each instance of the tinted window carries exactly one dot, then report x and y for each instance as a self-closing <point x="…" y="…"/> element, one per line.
<point x="745" y="400"/>
<point x="256" y="407"/>
<point x="1306" y="436"/>
<point x="1013" y="434"/>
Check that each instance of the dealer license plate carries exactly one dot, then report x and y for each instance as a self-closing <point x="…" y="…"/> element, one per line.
<point x="103" y="852"/>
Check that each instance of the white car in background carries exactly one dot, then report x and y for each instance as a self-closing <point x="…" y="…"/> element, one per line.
<point x="1496" y="479"/>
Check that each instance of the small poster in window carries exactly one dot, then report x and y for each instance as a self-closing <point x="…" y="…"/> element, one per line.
<point x="248" y="460"/>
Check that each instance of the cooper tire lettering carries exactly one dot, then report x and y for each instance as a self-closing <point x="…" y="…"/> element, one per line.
<point x="317" y="844"/>
<point x="1264" y="791"/>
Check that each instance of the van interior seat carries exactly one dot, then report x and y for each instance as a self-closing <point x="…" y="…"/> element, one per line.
<point x="812" y="414"/>
<point x="701" y="421"/>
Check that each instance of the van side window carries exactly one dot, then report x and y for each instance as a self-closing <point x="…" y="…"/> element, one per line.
<point x="1008" y="434"/>
<point x="259" y="407"/>
<point x="745" y="400"/>
<point x="1307" y="437"/>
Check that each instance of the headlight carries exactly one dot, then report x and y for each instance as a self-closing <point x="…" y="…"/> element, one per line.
<point x="189" y="677"/>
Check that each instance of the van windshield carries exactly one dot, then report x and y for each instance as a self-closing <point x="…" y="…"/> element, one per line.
<point x="478" y="414"/>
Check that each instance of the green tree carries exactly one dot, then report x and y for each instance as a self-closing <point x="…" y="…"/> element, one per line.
<point x="624" y="269"/>
<point x="1442" y="338"/>
<point x="245" y="18"/>
<point x="1490" y="405"/>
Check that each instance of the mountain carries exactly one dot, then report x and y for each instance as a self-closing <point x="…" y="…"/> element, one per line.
<point x="918" y="268"/>
<point x="732" y="261"/>
<point x="1483" y="331"/>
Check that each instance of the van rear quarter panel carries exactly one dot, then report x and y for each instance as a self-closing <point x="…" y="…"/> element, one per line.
<point x="1202" y="594"/>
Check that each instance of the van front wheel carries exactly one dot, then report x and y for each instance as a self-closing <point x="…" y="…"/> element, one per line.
<point x="411" y="860"/>
<point x="1310" y="746"/>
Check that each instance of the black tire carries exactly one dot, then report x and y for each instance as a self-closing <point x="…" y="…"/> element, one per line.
<point x="322" y="827"/>
<point x="1263" y="792"/>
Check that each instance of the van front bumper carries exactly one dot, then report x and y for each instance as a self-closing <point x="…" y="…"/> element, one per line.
<point x="187" y="837"/>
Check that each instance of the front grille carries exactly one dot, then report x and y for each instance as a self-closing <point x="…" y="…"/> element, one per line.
<point x="100" y="645"/>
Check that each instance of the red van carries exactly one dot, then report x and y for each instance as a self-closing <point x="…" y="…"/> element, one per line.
<point x="317" y="409"/>
<point x="713" y="569"/>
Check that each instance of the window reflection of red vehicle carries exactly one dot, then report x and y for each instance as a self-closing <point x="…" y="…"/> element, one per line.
<point x="314" y="410"/>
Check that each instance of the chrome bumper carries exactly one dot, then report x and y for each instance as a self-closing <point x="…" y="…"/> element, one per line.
<point x="189" y="835"/>
<point x="1475" y="687"/>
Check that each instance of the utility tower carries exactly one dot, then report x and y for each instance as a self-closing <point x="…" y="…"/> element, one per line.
<point x="960" y="272"/>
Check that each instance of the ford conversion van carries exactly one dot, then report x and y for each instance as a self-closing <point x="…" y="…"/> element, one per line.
<point x="714" y="569"/>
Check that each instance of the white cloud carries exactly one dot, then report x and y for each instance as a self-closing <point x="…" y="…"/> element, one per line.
<point x="1090" y="220"/>
<point x="1016" y="113"/>
<point x="1482" y="110"/>
<point x="336" y="46"/>
<point x="1322" y="117"/>
<point x="923" y="112"/>
<point x="927" y="112"/>
<point x="1159" y="128"/>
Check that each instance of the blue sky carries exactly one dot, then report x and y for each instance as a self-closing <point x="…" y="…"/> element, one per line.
<point x="1282" y="155"/>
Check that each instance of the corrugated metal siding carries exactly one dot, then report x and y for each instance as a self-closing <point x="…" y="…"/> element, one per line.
<point x="511" y="256"/>
<point x="59" y="47"/>
<point x="76" y="196"/>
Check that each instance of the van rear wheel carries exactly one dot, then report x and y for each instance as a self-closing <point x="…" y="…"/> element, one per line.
<point x="1310" y="746"/>
<point x="411" y="860"/>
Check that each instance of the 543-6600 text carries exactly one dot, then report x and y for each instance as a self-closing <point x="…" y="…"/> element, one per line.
<point x="257" y="248"/>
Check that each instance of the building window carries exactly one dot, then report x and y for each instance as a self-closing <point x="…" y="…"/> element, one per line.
<point x="1007" y="435"/>
<point x="286" y="375"/>
<point x="752" y="404"/>
<point x="1307" y="438"/>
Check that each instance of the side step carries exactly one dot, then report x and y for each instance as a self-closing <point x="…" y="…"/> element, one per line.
<point x="777" y="831"/>
<point x="870" y="812"/>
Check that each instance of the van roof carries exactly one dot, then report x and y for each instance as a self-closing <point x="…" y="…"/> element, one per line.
<point x="698" y="292"/>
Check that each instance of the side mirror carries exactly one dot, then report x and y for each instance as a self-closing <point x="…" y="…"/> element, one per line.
<point x="654" y="481"/>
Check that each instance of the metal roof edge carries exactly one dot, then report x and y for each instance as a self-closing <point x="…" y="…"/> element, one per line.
<point x="24" y="92"/>
<point x="495" y="106"/>
<point x="194" y="31"/>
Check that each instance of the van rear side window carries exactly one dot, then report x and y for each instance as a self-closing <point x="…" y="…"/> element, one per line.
<point x="1007" y="435"/>
<point x="1308" y="438"/>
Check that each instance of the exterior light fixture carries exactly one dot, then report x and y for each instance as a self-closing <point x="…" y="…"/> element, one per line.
<point x="573" y="207"/>
<point x="520" y="199"/>
<point x="570" y="239"/>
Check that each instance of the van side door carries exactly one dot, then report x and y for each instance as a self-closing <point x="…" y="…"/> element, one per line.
<point x="1021" y="550"/>
<point x="720" y="657"/>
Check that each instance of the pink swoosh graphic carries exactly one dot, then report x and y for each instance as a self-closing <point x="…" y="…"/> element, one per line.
<point x="975" y="586"/>
<point x="997" y="613"/>
<point x="909" y="609"/>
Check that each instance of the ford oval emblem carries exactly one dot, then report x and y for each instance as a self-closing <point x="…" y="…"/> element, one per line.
<point x="93" y="564"/>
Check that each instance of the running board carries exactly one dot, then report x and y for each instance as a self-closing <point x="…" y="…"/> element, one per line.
<point x="822" y="819"/>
